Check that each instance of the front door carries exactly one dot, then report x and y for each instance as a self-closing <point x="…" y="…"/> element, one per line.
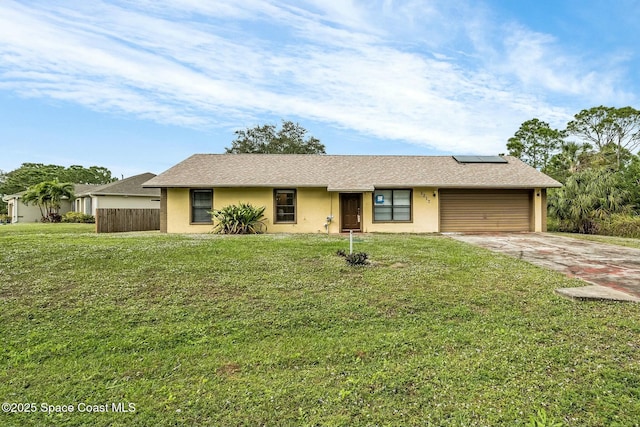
<point x="350" y="209"/>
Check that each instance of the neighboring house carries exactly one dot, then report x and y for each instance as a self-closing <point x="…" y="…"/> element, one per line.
<point x="125" y="193"/>
<point x="19" y="212"/>
<point x="333" y="194"/>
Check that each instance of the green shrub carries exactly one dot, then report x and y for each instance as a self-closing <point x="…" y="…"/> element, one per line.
<point x="621" y="226"/>
<point x="78" y="217"/>
<point x="52" y="217"/>
<point x="588" y="226"/>
<point x="357" y="258"/>
<point x="618" y="225"/>
<point x="553" y="224"/>
<point x="5" y="219"/>
<point x="242" y="218"/>
<point x="587" y="199"/>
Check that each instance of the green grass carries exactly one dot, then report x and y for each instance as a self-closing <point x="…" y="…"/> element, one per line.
<point x="278" y="330"/>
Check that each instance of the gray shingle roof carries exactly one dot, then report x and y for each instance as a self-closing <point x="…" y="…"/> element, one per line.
<point x="84" y="188"/>
<point x="346" y="172"/>
<point x="131" y="186"/>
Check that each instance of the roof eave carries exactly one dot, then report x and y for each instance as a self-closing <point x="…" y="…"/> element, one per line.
<point x="123" y="194"/>
<point x="498" y="186"/>
<point x="363" y="188"/>
<point x="349" y="189"/>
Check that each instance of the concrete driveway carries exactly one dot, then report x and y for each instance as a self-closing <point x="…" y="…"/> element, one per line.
<point x="613" y="272"/>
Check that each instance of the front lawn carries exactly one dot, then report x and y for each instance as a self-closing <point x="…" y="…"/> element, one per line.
<point x="278" y="330"/>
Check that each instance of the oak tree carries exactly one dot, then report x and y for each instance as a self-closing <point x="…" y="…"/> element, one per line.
<point x="267" y="139"/>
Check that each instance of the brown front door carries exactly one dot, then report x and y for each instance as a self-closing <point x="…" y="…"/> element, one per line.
<point x="351" y="211"/>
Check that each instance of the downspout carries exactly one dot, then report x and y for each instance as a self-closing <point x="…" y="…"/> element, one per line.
<point x="16" y="213"/>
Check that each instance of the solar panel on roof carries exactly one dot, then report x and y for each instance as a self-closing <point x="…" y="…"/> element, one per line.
<point x="480" y="159"/>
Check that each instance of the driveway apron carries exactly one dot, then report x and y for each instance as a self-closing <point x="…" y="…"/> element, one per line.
<point x="616" y="268"/>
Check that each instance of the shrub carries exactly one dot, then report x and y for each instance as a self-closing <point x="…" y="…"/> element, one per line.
<point x="587" y="199"/>
<point x="242" y="218"/>
<point x="52" y="217"/>
<point x="553" y="224"/>
<point x="621" y="226"/>
<point x="357" y="258"/>
<point x="78" y="217"/>
<point x="588" y="226"/>
<point x="5" y="219"/>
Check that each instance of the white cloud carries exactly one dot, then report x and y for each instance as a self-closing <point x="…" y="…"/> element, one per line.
<point x="199" y="64"/>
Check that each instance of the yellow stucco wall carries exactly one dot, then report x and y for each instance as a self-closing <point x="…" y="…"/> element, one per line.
<point x="424" y="214"/>
<point x="178" y="211"/>
<point x="313" y="205"/>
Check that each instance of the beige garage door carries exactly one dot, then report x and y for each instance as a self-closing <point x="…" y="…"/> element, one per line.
<point x="485" y="210"/>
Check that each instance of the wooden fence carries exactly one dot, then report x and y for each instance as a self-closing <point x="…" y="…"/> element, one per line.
<point x="119" y="220"/>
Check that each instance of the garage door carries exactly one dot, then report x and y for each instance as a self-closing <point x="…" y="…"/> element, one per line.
<point x="485" y="210"/>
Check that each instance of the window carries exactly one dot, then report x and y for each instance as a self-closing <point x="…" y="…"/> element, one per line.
<point x="285" y="203"/>
<point x="201" y="205"/>
<point x="392" y="205"/>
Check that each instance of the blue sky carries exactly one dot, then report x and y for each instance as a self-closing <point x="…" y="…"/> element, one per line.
<point x="139" y="85"/>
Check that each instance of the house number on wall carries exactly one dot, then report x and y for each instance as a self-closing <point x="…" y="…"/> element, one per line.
<point x="425" y="196"/>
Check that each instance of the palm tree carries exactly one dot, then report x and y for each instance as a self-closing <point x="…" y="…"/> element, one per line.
<point x="48" y="196"/>
<point x="589" y="196"/>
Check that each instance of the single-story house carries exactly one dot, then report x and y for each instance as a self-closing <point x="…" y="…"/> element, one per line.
<point x="20" y="212"/>
<point x="125" y="193"/>
<point x="364" y="193"/>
